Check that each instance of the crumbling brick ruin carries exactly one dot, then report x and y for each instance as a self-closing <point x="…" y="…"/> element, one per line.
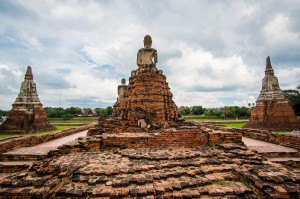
<point x="272" y="110"/>
<point x="148" y="151"/>
<point x="27" y="113"/>
<point x="145" y="114"/>
<point x="147" y="100"/>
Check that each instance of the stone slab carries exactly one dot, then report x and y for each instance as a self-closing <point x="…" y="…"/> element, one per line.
<point x="31" y="151"/>
<point x="265" y="147"/>
<point x="63" y="140"/>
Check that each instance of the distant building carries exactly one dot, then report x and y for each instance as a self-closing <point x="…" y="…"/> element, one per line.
<point x="87" y="113"/>
<point x="80" y="113"/>
<point x="92" y="113"/>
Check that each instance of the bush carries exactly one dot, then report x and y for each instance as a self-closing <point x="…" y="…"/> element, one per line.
<point x="185" y="111"/>
<point x="67" y="116"/>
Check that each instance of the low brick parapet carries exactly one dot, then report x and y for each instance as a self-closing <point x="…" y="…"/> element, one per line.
<point x="32" y="140"/>
<point x="288" y="140"/>
<point x="182" y="137"/>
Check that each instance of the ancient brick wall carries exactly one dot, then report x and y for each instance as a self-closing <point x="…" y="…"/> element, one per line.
<point x="289" y="140"/>
<point x="275" y="114"/>
<point x="217" y="137"/>
<point x="170" y="138"/>
<point x="148" y="96"/>
<point x="8" y="144"/>
<point x="82" y="144"/>
<point x="167" y="138"/>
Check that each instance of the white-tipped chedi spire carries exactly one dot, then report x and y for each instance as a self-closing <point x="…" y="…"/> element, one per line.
<point x="28" y="93"/>
<point x="272" y="110"/>
<point x="27" y="113"/>
<point x="270" y="85"/>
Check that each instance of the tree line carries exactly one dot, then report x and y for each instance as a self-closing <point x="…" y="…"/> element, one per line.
<point x="243" y="112"/>
<point x="69" y="113"/>
<point x="226" y="111"/>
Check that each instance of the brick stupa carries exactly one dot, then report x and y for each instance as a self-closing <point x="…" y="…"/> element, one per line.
<point x="27" y="113"/>
<point x="147" y="100"/>
<point x="272" y="110"/>
<point x="146" y="116"/>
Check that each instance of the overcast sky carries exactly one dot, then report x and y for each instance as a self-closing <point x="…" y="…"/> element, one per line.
<point x="212" y="52"/>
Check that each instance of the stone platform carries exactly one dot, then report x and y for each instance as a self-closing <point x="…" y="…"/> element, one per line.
<point x="115" y="133"/>
<point x="226" y="171"/>
<point x="27" y="153"/>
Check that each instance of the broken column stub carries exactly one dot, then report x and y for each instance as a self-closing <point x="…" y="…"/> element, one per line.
<point x="272" y="110"/>
<point x="27" y="113"/>
<point x="147" y="96"/>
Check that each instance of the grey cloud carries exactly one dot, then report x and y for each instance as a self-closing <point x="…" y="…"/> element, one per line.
<point x="116" y="29"/>
<point x="52" y="81"/>
<point x="63" y="71"/>
<point x="10" y="83"/>
<point x="15" y="10"/>
<point x="201" y="88"/>
<point x="87" y="102"/>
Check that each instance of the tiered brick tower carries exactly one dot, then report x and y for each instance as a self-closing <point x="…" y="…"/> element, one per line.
<point x="27" y="113"/>
<point x="147" y="99"/>
<point x="272" y="110"/>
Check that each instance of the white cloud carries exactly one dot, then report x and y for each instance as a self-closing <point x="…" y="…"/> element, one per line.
<point x="31" y="42"/>
<point x="212" y="52"/>
<point x="198" y="70"/>
<point x="4" y="66"/>
<point x="288" y="78"/>
<point x="277" y="33"/>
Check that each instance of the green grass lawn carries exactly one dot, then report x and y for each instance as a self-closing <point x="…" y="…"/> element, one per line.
<point x="204" y="118"/>
<point x="236" y="125"/>
<point x="74" y="120"/>
<point x="37" y="133"/>
<point x="200" y="117"/>
<point x="241" y="125"/>
<point x="282" y="132"/>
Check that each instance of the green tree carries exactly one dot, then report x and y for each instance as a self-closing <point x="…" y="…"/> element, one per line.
<point x="185" y="110"/>
<point x="67" y="116"/>
<point x="294" y="100"/>
<point x="235" y="111"/>
<point x="197" y="110"/>
<point x="109" y="110"/>
<point x="54" y="112"/>
<point x="72" y="110"/>
<point x="212" y="112"/>
<point x="3" y="113"/>
<point x="101" y="111"/>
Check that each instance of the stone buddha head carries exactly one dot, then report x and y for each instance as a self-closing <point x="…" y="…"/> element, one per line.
<point x="147" y="41"/>
<point x="123" y="81"/>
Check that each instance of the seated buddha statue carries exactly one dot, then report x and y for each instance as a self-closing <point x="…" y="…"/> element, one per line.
<point x="147" y="57"/>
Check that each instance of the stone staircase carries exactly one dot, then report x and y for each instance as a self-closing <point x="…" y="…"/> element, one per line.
<point x="288" y="158"/>
<point x="291" y="145"/>
<point x="14" y="166"/>
<point x="275" y="153"/>
<point x="22" y="158"/>
<point x="18" y="153"/>
<point x="227" y="171"/>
